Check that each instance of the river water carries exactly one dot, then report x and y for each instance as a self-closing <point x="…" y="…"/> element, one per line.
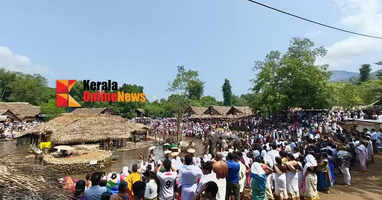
<point x="24" y="164"/>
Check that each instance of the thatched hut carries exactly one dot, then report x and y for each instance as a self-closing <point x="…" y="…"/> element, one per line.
<point x="375" y="106"/>
<point x="7" y="114"/>
<point x="195" y="110"/>
<point x="217" y="110"/>
<point x="140" y="112"/>
<point x="23" y="111"/>
<point x="107" y="130"/>
<point x="360" y="124"/>
<point x="206" y="117"/>
<point x="240" y="111"/>
<point x="95" y="111"/>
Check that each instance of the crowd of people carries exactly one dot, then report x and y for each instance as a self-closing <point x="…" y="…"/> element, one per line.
<point x="150" y="180"/>
<point x="284" y="157"/>
<point x="8" y="127"/>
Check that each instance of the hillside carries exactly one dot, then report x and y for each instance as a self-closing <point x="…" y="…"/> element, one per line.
<point x="343" y="75"/>
<point x="339" y="75"/>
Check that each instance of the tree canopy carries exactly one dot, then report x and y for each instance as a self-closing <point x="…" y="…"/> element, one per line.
<point x="292" y="80"/>
<point x="227" y="93"/>
<point x="17" y="86"/>
<point x="364" y="72"/>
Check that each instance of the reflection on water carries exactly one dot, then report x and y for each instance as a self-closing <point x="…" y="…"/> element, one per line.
<point x="128" y="158"/>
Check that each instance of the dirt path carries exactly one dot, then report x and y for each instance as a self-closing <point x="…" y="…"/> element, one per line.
<point x="365" y="186"/>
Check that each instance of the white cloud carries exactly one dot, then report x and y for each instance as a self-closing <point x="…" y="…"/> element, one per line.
<point x="14" y="62"/>
<point x="364" y="16"/>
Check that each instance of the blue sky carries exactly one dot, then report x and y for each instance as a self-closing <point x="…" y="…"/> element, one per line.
<point x="142" y="42"/>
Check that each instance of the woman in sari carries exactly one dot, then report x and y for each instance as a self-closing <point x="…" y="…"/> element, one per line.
<point x="280" y="179"/>
<point x="362" y="156"/>
<point x="292" y="178"/>
<point x="309" y="185"/>
<point x="323" y="174"/>
<point x="259" y="178"/>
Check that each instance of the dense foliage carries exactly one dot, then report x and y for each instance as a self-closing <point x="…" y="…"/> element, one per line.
<point x="292" y="80"/>
<point x="364" y="72"/>
<point x="227" y="93"/>
<point x="16" y="86"/>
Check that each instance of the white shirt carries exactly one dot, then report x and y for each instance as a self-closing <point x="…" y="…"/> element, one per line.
<point x="151" y="189"/>
<point x="272" y="156"/>
<point x="205" y="179"/>
<point x="167" y="181"/>
<point x="188" y="176"/>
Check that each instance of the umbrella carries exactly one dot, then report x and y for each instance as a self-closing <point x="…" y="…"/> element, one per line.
<point x="167" y="152"/>
<point x="174" y="154"/>
<point x="151" y="148"/>
<point x="64" y="147"/>
<point x="191" y="150"/>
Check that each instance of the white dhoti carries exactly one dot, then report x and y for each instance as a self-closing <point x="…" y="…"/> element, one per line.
<point x="292" y="185"/>
<point x="221" y="188"/>
<point x="188" y="192"/>
<point x="280" y="186"/>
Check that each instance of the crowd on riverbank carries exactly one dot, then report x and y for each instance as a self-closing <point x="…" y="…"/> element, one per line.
<point x="280" y="157"/>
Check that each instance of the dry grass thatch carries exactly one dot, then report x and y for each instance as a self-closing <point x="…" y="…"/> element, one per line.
<point x="206" y="116"/>
<point x="140" y="110"/>
<point x="194" y="110"/>
<point x="240" y="110"/>
<point x="377" y="103"/>
<point x="92" y="111"/>
<point x="22" y="110"/>
<point x="223" y="117"/>
<point x="217" y="110"/>
<point x="5" y="113"/>
<point x="81" y="128"/>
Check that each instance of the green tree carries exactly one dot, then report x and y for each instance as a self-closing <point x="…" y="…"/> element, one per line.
<point x="208" y="101"/>
<point x="346" y="95"/>
<point x="17" y="86"/>
<point x="50" y="110"/>
<point x="195" y="89"/>
<point x="239" y="100"/>
<point x="371" y="91"/>
<point x="179" y="89"/>
<point x="227" y="93"/>
<point x="154" y="109"/>
<point x="364" y="73"/>
<point x="126" y="109"/>
<point x="379" y="73"/>
<point x="292" y="80"/>
<point x="267" y="95"/>
<point x="180" y="84"/>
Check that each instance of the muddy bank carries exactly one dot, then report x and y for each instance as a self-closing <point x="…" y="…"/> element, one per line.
<point x="23" y="177"/>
